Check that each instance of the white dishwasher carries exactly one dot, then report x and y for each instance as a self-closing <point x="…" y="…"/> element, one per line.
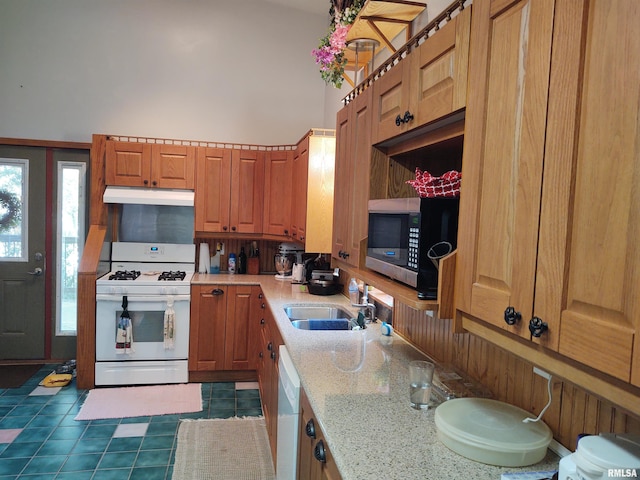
<point x="288" y="417"/>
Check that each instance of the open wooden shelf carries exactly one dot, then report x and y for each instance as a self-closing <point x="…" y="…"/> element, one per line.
<point x="380" y="20"/>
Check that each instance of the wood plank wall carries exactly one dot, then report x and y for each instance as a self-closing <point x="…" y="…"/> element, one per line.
<point x="511" y="379"/>
<point x="267" y="249"/>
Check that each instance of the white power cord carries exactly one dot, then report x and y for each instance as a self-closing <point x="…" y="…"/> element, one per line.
<point x="537" y="419"/>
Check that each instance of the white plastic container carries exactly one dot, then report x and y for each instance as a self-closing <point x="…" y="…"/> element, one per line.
<point x="491" y="432"/>
<point x="603" y="456"/>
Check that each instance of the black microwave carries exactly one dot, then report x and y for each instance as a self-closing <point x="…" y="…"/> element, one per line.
<point x="408" y="235"/>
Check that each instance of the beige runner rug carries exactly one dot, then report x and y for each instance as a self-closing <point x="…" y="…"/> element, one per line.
<point x="223" y="449"/>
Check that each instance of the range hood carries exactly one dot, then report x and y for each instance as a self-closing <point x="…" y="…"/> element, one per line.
<point x="148" y="196"/>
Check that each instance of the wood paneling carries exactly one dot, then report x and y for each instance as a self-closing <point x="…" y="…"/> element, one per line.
<point x="511" y="379"/>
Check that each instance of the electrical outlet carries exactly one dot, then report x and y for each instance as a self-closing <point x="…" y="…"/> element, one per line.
<point x="542" y="373"/>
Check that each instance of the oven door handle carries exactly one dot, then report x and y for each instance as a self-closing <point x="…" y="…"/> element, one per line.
<point x="162" y="298"/>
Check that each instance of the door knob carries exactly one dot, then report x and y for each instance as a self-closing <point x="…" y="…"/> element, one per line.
<point x="36" y="272"/>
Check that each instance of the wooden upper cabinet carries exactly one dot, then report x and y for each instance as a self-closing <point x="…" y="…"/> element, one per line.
<point x="213" y="192"/>
<point x="502" y="162"/>
<point x="299" y="188"/>
<point x="173" y="166"/>
<point x="278" y="192"/>
<point x="230" y="190"/>
<point x="439" y="69"/>
<point x="247" y="191"/>
<point x="128" y="164"/>
<point x="590" y="199"/>
<point x="429" y="83"/>
<point x="150" y="165"/>
<point x="352" y="172"/>
<point x="551" y="167"/>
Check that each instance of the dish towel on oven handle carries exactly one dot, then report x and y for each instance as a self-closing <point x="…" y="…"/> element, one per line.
<point x="124" y="332"/>
<point x="169" y="325"/>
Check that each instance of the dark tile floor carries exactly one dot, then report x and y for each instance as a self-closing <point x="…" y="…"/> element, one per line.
<point x="39" y="438"/>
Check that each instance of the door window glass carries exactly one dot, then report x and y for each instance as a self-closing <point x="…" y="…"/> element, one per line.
<point x="13" y="209"/>
<point x="70" y="240"/>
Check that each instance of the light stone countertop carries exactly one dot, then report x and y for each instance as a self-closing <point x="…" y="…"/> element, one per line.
<point x="357" y="384"/>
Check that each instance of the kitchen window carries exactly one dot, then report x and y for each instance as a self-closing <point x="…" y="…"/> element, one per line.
<point x="69" y="243"/>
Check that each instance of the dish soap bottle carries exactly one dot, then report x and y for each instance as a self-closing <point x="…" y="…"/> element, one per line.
<point x="232" y="263"/>
<point x="354" y="292"/>
<point x="242" y="261"/>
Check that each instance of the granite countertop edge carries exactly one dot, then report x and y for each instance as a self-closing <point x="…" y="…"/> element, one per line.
<point x="357" y="385"/>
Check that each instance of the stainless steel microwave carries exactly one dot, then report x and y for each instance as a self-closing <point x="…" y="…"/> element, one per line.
<point x="408" y="235"/>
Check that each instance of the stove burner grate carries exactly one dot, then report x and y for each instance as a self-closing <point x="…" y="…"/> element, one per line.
<point x="172" y="276"/>
<point x="125" y="275"/>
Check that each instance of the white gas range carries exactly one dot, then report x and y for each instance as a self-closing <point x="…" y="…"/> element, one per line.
<point x="142" y="314"/>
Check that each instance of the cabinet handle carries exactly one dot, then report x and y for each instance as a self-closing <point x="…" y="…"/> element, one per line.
<point x="319" y="452"/>
<point x="310" y="429"/>
<point x="217" y="291"/>
<point x="537" y="327"/>
<point x="407" y="117"/>
<point x="511" y="316"/>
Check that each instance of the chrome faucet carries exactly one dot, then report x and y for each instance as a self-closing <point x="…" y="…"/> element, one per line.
<point x="366" y="307"/>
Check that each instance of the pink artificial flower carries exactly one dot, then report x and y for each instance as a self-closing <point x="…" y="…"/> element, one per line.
<point x="339" y="38"/>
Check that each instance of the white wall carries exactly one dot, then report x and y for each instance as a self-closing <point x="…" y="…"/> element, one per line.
<point x="219" y="70"/>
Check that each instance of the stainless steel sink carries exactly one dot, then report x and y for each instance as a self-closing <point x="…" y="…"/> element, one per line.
<point x="323" y="324"/>
<point x="304" y="312"/>
<point x="319" y="317"/>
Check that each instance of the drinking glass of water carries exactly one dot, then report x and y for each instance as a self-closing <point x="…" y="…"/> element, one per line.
<point x="420" y="378"/>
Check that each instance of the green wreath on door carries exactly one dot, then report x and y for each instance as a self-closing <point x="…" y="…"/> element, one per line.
<point x="9" y="210"/>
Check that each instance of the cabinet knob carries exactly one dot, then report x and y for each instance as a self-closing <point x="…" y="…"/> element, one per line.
<point x="260" y="354"/>
<point x="537" y="327"/>
<point x="407" y="117"/>
<point x="217" y="291"/>
<point x="262" y="322"/>
<point x="263" y="306"/>
<point x="310" y="429"/>
<point x="302" y="238"/>
<point x="233" y="229"/>
<point x="146" y="182"/>
<point x="398" y="120"/>
<point x="511" y="316"/>
<point x="260" y="295"/>
<point x="269" y="346"/>
<point x="286" y="232"/>
<point x="225" y="228"/>
<point x="273" y="356"/>
<point x="319" y="452"/>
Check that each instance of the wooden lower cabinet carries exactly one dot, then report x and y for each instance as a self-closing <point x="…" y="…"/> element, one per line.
<point x="267" y="366"/>
<point x="220" y="336"/>
<point x="314" y="457"/>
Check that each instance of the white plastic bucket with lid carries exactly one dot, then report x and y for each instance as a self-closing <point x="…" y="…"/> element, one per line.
<point x="607" y="456"/>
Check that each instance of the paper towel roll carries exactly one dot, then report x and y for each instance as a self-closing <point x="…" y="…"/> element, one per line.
<point x="203" y="265"/>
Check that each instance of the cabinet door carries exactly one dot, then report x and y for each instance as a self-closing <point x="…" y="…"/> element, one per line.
<point x="173" y="166"/>
<point x="278" y="185"/>
<point x="341" y="189"/>
<point x="207" y="334"/>
<point x="213" y="192"/>
<point x="242" y="309"/>
<point x="439" y="69"/>
<point x="128" y="164"/>
<point x="503" y="159"/>
<point x="247" y="191"/>
<point x="391" y="102"/>
<point x="589" y="259"/>
<point x="300" y="181"/>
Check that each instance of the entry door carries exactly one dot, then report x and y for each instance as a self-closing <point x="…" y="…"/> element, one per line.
<point x="22" y="248"/>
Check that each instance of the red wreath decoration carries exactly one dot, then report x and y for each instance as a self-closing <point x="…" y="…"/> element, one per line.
<point x="428" y="186"/>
